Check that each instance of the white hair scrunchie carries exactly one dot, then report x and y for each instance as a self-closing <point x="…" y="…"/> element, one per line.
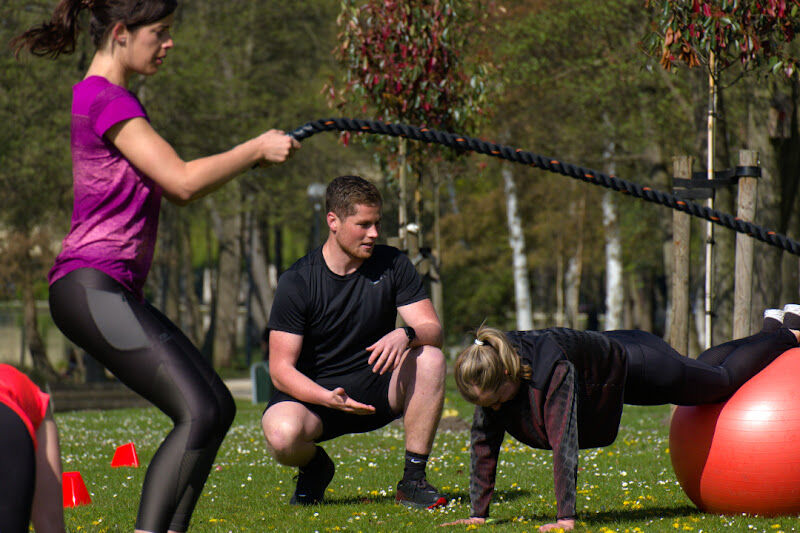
<point x="479" y="342"/>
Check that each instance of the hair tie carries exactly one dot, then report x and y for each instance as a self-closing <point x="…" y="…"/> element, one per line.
<point x="479" y="342"/>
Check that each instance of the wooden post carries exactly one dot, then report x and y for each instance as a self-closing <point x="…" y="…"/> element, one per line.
<point x="681" y="223"/>
<point x="743" y="288"/>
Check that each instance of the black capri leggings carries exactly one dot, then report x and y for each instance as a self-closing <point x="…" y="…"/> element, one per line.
<point x="17" y="472"/>
<point x="149" y="354"/>
<point x="657" y="374"/>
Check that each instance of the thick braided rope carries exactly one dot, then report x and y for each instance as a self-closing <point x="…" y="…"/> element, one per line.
<point x="464" y="143"/>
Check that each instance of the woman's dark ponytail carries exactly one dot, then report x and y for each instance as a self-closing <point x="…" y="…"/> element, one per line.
<point x="59" y="36"/>
<point x="51" y="39"/>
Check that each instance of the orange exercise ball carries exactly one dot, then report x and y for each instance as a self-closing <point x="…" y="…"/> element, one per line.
<point x="743" y="455"/>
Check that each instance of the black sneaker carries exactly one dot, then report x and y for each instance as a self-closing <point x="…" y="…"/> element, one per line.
<point x="419" y="493"/>
<point x="312" y="481"/>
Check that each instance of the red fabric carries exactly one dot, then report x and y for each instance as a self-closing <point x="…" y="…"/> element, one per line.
<point x="22" y="396"/>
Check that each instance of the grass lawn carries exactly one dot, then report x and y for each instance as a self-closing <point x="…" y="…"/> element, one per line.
<point x="627" y="487"/>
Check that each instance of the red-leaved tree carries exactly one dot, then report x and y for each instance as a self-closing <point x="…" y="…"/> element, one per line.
<point x="752" y="33"/>
<point x="415" y="62"/>
<point x="411" y="61"/>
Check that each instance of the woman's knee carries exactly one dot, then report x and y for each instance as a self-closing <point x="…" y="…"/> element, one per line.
<point x="211" y="419"/>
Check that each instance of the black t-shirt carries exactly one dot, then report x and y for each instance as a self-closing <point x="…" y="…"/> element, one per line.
<point x="339" y="316"/>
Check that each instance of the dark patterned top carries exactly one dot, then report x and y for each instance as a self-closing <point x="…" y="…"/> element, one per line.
<point x="573" y="400"/>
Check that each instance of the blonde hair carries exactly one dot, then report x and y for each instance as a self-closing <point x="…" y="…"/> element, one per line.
<point x="487" y="363"/>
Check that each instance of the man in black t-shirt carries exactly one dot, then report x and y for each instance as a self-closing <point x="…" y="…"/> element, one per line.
<point x="339" y="363"/>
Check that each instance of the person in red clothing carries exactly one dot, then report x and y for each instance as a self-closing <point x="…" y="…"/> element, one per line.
<point x="564" y="390"/>
<point x="30" y="457"/>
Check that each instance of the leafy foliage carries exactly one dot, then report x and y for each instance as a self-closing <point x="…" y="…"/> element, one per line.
<point x="748" y="32"/>
<point x="404" y="61"/>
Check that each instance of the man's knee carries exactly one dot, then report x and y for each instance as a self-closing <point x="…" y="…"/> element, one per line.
<point x="284" y="432"/>
<point x="431" y="364"/>
<point x="281" y="434"/>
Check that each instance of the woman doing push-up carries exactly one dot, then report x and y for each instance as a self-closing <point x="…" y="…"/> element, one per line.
<point x="563" y="389"/>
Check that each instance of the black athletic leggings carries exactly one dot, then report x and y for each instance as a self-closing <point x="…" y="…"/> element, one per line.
<point x="17" y="472"/>
<point x="657" y="374"/>
<point x="149" y="354"/>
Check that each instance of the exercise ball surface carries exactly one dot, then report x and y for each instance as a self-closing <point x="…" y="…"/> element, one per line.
<point x="743" y="455"/>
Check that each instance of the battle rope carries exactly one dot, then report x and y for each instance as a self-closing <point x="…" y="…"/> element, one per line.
<point x="464" y="143"/>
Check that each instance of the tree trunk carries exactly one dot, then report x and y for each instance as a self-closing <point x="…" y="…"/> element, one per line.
<point x="681" y="235"/>
<point x="33" y="339"/>
<point x="572" y="277"/>
<point x="437" y="289"/>
<point x="615" y="292"/>
<point x="743" y="292"/>
<point x="516" y="239"/>
<point x="194" y="317"/>
<point x="228" y="227"/>
<point x="264" y="291"/>
<point x="559" y="318"/>
<point x="641" y="292"/>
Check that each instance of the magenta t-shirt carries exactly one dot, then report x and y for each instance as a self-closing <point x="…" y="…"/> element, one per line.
<point x="116" y="207"/>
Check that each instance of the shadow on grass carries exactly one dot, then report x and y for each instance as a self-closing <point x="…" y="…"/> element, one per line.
<point x="389" y="498"/>
<point x="610" y="517"/>
<point x="645" y="513"/>
<point x="360" y="500"/>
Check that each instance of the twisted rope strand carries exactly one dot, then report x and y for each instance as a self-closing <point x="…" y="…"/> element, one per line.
<point x="464" y="143"/>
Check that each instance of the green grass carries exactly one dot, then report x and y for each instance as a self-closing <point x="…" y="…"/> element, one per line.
<point x="627" y="487"/>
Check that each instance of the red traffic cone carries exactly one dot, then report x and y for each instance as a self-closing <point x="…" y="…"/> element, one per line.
<point x="74" y="490"/>
<point x="125" y="456"/>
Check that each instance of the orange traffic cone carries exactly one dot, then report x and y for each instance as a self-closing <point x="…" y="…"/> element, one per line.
<point x="74" y="490"/>
<point x="125" y="456"/>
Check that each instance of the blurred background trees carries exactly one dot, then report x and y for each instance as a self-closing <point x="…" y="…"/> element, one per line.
<point x="570" y="80"/>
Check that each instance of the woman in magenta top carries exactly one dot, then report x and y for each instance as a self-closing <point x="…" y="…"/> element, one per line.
<point x="122" y="167"/>
<point x="30" y="458"/>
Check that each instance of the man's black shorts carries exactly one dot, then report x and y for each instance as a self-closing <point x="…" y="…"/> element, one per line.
<point x="363" y="386"/>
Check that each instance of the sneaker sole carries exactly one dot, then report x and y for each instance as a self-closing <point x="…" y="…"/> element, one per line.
<point x="408" y="503"/>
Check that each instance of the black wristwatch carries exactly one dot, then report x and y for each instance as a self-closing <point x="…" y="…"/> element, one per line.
<point x="410" y="333"/>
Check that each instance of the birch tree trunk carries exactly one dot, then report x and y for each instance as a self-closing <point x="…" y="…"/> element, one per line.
<point x="516" y="239"/>
<point x="574" y="271"/>
<point x="615" y="293"/>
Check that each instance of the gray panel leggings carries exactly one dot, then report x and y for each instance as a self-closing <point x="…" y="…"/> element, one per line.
<point x="149" y="354"/>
